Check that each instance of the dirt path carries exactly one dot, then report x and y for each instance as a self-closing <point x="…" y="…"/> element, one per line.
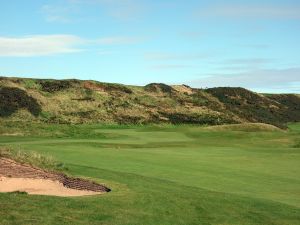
<point x="21" y="177"/>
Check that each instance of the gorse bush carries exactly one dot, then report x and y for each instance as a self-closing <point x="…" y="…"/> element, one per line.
<point x="13" y="99"/>
<point x="55" y="85"/>
<point x="159" y="87"/>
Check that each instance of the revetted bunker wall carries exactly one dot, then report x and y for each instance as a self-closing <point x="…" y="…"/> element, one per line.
<point x="10" y="168"/>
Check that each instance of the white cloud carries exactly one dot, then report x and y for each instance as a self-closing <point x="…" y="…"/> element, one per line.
<point x="42" y="45"/>
<point x="256" y="46"/>
<point x="72" y="10"/>
<point x="262" y="79"/>
<point x="169" y="66"/>
<point x="243" y="64"/>
<point x="173" y="56"/>
<point x="117" y="40"/>
<point x="247" y="61"/>
<point x="253" y="11"/>
<point x="56" y="13"/>
<point x="192" y="34"/>
<point x="119" y="9"/>
<point x="39" y="45"/>
<point x="124" y="9"/>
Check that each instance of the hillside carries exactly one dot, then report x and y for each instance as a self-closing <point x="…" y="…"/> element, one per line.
<point x="76" y="101"/>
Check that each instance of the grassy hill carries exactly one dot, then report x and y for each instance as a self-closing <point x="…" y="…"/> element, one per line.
<point x="76" y="101"/>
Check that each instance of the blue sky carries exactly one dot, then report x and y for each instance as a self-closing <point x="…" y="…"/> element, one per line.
<point x="253" y="44"/>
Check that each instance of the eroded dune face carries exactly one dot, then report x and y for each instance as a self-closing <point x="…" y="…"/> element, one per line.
<point x="40" y="187"/>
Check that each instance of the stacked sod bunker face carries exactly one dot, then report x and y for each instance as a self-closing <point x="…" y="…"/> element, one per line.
<point x="12" y="169"/>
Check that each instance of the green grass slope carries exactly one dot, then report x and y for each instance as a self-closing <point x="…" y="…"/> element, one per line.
<point x="163" y="174"/>
<point x="75" y="101"/>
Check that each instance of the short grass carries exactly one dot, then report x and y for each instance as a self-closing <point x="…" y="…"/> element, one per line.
<point x="163" y="175"/>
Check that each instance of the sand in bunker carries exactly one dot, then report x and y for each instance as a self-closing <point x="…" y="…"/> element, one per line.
<point x="40" y="187"/>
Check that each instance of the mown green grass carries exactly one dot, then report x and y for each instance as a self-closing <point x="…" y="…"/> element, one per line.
<point x="164" y="175"/>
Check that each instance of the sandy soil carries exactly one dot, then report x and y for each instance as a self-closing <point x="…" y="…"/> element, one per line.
<point x="16" y="176"/>
<point x="40" y="187"/>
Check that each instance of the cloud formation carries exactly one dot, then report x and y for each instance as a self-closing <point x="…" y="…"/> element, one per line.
<point x="39" y="45"/>
<point x="169" y="66"/>
<point x="43" y="45"/>
<point x="58" y="13"/>
<point x="247" y="61"/>
<point x="162" y="56"/>
<point x="272" y="79"/>
<point x="121" y="40"/>
<point x="243" y="64"/>
<point x="118" y="9"/>
<point x="253" y="11"/>
<point x="257" y="46"/>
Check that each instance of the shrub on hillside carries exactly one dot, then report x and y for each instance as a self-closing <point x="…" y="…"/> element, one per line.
<point x="194" y="118"/>
<point x="13" y="99"/>
<point x="159" y="87"/>
<point x="55" y="85"/>
<point x="106" y="87"/>
<point x="251" y="106"/>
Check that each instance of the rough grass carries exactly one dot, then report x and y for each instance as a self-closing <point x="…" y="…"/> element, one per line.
<point x="164" y="175"/>
<point x="32" y="158"/>
<point x="79" y="102"/>
<point x="247" y="127"/>
<point x="297" y="144"/>
<point x="257" y="107"/>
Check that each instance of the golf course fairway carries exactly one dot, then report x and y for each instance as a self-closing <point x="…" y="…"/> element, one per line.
<point x="164" y="175"/>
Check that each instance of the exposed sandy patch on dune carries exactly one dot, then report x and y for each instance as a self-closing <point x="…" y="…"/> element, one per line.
<point x="183" y="89"/>
<point x="40" y="187"/>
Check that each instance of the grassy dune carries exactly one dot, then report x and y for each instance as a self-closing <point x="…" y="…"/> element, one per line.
<point x="164" y="174"/>
<point x="81" y="102"/>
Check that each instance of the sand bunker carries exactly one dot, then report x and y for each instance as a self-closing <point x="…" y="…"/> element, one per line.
<point x="25" y="178"/>
<point x="40" y="187"/>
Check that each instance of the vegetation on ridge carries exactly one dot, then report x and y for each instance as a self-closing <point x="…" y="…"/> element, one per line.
<point x="75" y="101"/>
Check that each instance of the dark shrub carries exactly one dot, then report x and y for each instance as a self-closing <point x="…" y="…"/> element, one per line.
<point x="194" y="118"/>
<point x="156" y="87"/>
<point x="12" y="99"/>
<point x="55" y="85"/>
<point x="253" y="107"/>
<point x="107" y="87"/>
